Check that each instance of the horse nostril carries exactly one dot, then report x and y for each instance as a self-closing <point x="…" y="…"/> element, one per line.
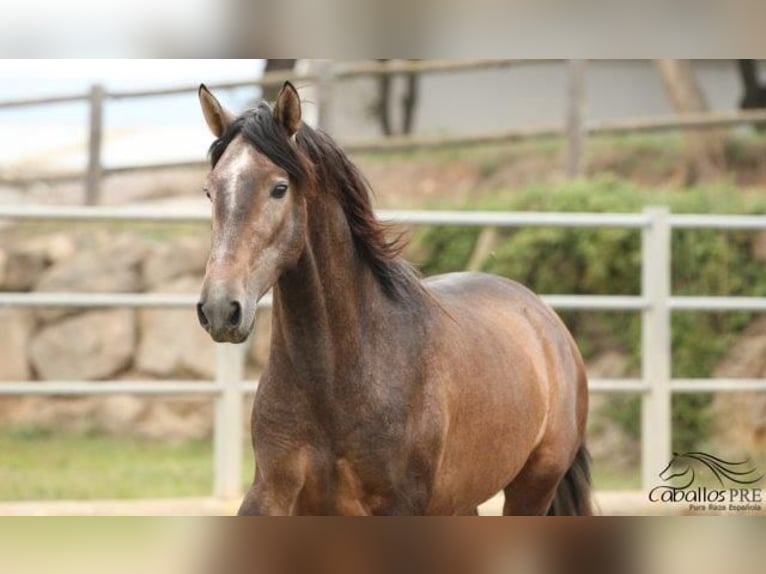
<point x="235" y="317"/>
<point x="201" y="316"/>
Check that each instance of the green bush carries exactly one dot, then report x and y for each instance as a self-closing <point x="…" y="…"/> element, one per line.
<point x="608" y="261"/>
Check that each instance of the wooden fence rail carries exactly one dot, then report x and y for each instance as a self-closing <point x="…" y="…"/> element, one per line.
<point x="340" y="71"/>
<point x="574" y="130"/>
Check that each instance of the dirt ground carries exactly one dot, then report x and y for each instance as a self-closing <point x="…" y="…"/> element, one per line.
<point x="607" y="503"/>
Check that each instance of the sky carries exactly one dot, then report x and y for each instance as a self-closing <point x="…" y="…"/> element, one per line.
<point x="34" y="74"/>
<point x="164" y="128"/>
<point x="34" y="78"/>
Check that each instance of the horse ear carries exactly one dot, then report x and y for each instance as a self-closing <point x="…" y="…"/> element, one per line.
<point x="287" y="109"/>
<point x="216" y="116"/>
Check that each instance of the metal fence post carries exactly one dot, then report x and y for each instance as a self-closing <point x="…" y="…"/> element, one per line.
<point x="656" y="348"/>
<point x="93" y="175"/>
<point x="228" y="436"/>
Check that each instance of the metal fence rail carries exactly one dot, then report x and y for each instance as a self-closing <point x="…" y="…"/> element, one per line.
<point x="655" y="303"/>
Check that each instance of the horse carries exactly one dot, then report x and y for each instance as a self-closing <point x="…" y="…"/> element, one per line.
<point x="682" y="466"/>
<point x="384" y="394"/>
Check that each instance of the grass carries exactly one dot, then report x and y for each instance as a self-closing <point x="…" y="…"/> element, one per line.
<point x="41" y="465"/>
<point x="605" y="478"/>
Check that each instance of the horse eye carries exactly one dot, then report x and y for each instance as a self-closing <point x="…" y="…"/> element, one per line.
<point x="207" y="193"/>
<point x="279" y="190"/>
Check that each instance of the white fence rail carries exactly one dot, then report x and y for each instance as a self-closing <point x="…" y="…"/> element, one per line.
<point x="655" y="303"/>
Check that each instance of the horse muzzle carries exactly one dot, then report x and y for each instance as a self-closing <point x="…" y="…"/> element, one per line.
<point x="223" y="316"/>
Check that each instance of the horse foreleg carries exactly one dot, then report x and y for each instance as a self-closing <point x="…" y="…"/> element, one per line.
<point x="266" y="502"/>
<point x="276" y="495"/>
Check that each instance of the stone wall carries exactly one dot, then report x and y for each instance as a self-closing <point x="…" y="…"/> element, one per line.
<point x="740" y="418"/>
<point x="50" y="344"/>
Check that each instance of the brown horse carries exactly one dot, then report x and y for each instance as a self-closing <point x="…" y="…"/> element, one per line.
<point x="384" y="394"/>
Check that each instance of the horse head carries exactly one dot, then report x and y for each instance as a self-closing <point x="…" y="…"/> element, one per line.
<point x="257" y="189"/>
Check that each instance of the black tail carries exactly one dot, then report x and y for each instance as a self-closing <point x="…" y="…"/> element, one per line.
<point x="573" y="493"/>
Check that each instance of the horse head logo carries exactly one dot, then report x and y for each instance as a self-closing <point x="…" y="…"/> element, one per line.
<point x="681" y="469"/>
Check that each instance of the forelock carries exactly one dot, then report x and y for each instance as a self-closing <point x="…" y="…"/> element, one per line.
<point x="259" y="128"/>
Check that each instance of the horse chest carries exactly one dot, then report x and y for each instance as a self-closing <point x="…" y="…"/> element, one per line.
<point x="344" y="458"/>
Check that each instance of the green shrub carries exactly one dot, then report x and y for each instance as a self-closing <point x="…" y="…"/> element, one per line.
<point x="608" y="261"/>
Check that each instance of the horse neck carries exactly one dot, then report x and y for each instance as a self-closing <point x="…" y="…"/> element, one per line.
<point x="322" y="305"/>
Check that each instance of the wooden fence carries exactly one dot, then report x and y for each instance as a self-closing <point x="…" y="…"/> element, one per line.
<point x="575" y="130"/>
